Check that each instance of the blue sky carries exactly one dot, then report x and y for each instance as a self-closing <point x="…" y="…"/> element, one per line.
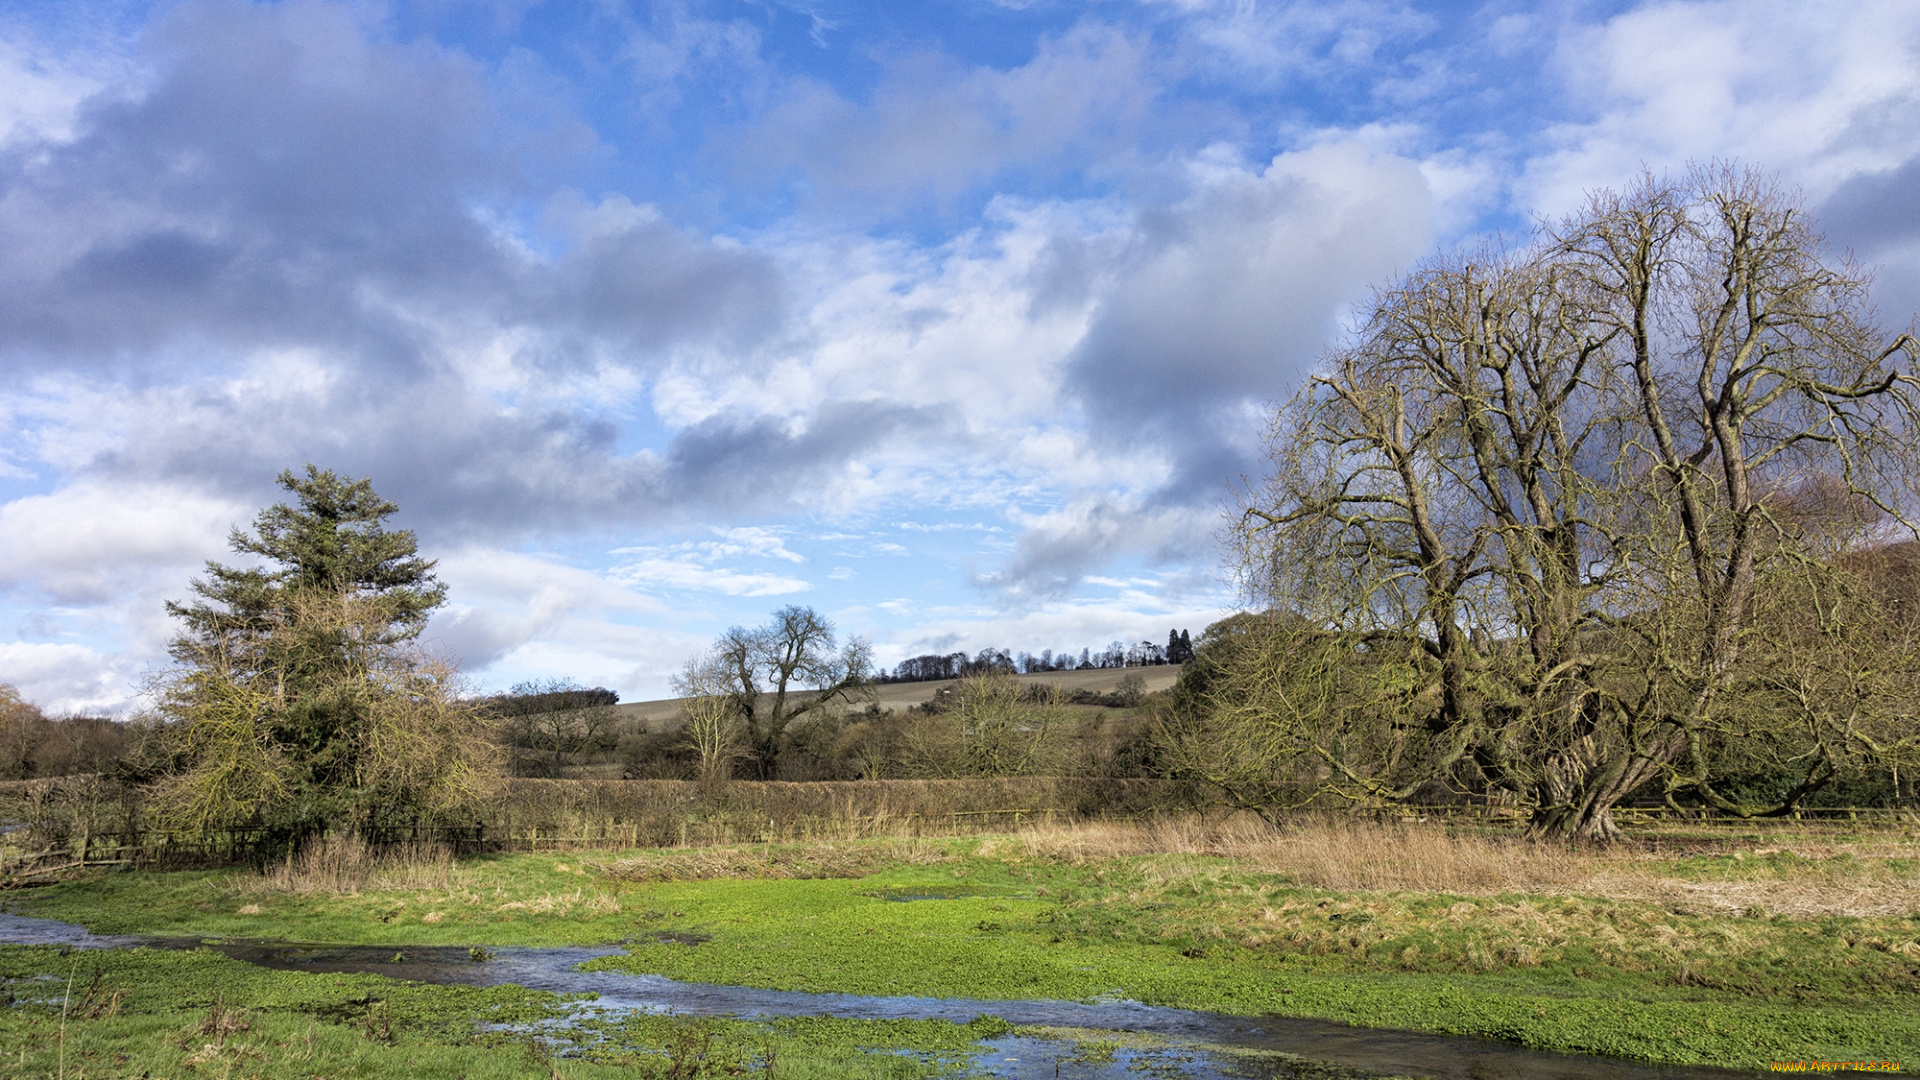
<point x="953" y="320"/>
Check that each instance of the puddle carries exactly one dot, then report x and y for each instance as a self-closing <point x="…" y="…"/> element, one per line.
<point x="1187" y="1033"/>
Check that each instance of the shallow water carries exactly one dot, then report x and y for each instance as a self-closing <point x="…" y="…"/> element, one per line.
<point x="1366" y="1049"/>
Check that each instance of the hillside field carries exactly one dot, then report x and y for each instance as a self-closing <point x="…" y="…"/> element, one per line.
<point x="664" y="715"/>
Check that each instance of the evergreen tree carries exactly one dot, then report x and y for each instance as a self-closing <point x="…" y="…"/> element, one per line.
<point x="299" y="701"/>
<point x="332" y="542"/>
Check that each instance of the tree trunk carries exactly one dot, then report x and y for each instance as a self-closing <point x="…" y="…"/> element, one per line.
<point x="1592" y="821"/>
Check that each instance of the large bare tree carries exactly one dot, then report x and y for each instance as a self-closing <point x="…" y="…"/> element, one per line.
<point x="1538" y="497"/>
<point x="777" y="674"/>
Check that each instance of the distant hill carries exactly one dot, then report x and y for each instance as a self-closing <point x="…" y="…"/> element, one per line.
<point x="664" y="715"/>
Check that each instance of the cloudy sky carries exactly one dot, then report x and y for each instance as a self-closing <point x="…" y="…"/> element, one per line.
<point x="953" y="319"/>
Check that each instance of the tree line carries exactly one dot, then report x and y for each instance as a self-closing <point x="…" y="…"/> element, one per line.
<point x="545" y="725"/>
<point x="35" y="745"/>
<point x="933" y="667"/>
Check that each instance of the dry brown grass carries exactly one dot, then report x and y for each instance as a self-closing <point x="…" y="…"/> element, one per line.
<point x="563" y="904"/>
<point x="1865" y="892"/>
<point x="822" y="859"/>
<point x="1360" y="855"/>
<point x="344" y="865"/>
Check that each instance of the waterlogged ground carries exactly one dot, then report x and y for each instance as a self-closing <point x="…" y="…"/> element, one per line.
<point x="129" y="1007"/>
<point x="1551" y="969"/>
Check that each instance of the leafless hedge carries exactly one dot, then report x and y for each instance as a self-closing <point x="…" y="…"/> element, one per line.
<point x="90" y="820"/>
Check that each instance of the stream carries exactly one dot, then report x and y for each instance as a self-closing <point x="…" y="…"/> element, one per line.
<point x="1189" y="1033"/>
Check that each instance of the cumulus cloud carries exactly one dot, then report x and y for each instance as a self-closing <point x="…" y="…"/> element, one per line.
<point x="286" y="233"/>
<point x="503" y="600"/>
<point x="698" y="565"/>
<point x="91" y="542"/>
<point x="933" y="128"/>
<point x="1056" y="551"/>
<point x="658" y="288"/>
<point x="1227" y="296"/>
<point x="40" y="96"/>
<point x="67" y="678"/>
<point x="275" y="167"/>
<point x="1818" y="93"/>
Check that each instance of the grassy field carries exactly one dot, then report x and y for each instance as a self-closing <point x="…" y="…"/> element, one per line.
<point x="664" y="714"/>
<point x="1734" y="951"/>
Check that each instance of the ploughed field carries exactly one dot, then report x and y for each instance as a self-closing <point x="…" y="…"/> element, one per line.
<point x="1733" y="951"/>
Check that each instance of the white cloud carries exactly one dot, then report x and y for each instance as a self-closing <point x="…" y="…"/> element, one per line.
<point x="1817" y="91"/>
<point x="695" y="564"/>
<point x="41" y="94"/>
<point x="933" y="128"/>
<point x="68" y="678"/>
<point x="945" y="526"/>
<point x="502" y="600"/>
<point x="749" y="540"/>
<point x="91" y="541"/>
<point x="687" y="574"/>
<point x="1265" y="44"/>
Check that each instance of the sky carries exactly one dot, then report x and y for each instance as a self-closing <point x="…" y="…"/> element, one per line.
<point x="956" y="320"/>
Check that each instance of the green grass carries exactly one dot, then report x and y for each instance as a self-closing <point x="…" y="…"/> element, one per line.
<point x="1555" y="972"/>
<point x="1777" y="865"/>
<point x="164" y="1013"/>
<point x="1750" y="993"/>
<point x="517" y="900"/>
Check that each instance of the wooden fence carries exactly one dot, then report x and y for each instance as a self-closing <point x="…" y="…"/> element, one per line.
<point x="48" y="827"/>
<point x="1818" y="817"/>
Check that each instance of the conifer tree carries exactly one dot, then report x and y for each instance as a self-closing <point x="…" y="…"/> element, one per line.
<point x="333" y="541"/>
<point x="299" y="701"/>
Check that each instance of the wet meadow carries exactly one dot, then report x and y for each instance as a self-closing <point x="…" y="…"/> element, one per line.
<point x="1729" y="950"/>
